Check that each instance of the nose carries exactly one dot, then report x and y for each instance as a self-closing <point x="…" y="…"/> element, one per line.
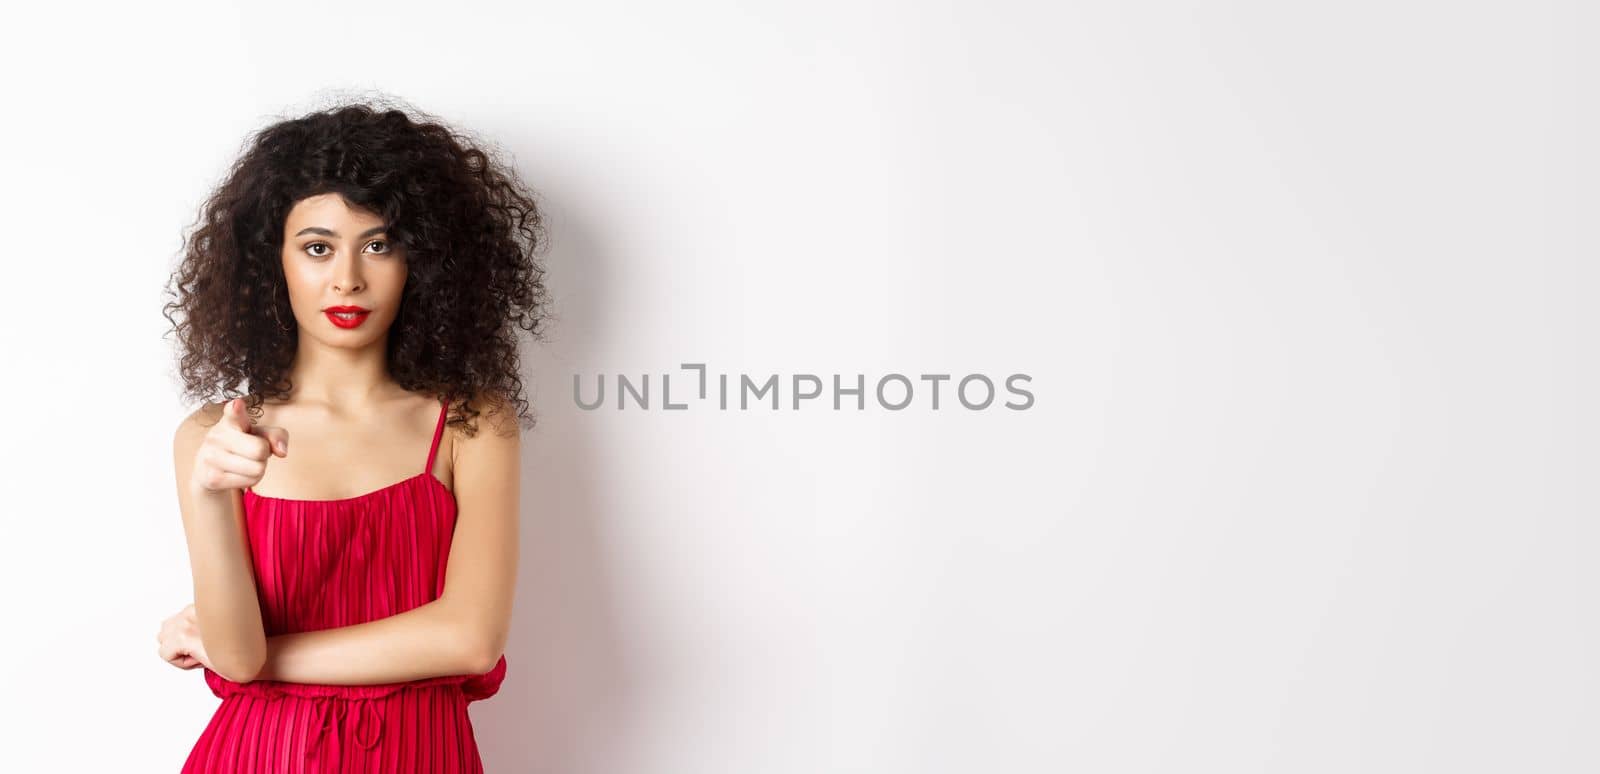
<point x="347" y="275"/>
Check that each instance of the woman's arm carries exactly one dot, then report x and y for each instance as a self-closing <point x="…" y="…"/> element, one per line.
<point x="225" y="602"/>
<point x="463" y="631"/>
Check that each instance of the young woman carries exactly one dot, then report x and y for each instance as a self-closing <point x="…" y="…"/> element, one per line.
<point x="360" y="276"/>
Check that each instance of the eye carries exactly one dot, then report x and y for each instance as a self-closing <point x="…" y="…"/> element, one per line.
<point x="312" y="248"/>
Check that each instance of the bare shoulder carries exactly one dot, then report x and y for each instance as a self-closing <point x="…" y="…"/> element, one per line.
<point x="495" y="416"/>
<point x="191" y="431"/>
<point x="194" y="426"/>
<point x="495" y="445"/>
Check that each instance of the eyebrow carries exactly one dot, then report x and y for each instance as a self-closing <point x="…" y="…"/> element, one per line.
<point x="327" y="232"/>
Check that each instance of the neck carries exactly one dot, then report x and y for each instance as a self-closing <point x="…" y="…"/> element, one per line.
<point x="341" y="378"/>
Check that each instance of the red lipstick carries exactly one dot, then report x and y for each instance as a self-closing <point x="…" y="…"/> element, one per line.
<point x="347" y="316"/>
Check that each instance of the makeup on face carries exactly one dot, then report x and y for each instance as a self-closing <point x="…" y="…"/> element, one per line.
<point x="347" y="316"/>
<point x="336" y="253"/>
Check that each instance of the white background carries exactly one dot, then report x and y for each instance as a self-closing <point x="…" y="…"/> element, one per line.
<point x="1304" y="289"/>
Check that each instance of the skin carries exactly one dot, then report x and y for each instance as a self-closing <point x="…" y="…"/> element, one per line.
<point x="355" y="430"/>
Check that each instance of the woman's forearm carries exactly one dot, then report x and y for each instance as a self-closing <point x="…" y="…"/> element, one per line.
<point x="225" y="603"/>
<point x="432" y="640"/>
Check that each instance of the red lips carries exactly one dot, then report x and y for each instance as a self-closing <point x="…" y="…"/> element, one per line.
<point x="352" y="317"/>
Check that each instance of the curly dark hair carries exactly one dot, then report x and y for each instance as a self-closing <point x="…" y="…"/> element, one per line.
<point x="470" y="229"/>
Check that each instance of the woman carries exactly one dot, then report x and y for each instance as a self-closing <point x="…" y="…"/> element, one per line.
<point x="363" y="276"/>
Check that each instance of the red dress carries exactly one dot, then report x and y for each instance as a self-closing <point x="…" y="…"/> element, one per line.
<point x="321" y="564"/>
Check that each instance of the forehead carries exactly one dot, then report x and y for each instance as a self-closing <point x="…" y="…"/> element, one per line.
<point x="328" y="210"/>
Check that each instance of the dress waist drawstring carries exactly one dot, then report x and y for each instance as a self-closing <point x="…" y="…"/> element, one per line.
<point x="329" y="711"/>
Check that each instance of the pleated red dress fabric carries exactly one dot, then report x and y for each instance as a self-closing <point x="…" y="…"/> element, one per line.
<point x="322" y="564"/>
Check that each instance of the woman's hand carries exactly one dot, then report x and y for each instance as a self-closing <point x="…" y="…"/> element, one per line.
<point x="233" y="454"/>
<point x="180" y="643"/>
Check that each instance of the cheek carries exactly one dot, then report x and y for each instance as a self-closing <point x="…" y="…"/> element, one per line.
<point x="298" y="281"/>
<point x="395" y="287"/>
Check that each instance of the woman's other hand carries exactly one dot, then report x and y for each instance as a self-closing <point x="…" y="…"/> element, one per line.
<point x="180" y="643"/>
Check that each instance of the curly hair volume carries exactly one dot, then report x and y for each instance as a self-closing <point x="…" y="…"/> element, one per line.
<point x="470" y="228"/>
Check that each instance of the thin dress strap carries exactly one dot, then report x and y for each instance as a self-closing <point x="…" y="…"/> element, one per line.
<point x="438" y="432"/>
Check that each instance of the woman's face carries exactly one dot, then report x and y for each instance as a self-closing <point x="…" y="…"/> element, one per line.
<point x="335" y="256"/>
